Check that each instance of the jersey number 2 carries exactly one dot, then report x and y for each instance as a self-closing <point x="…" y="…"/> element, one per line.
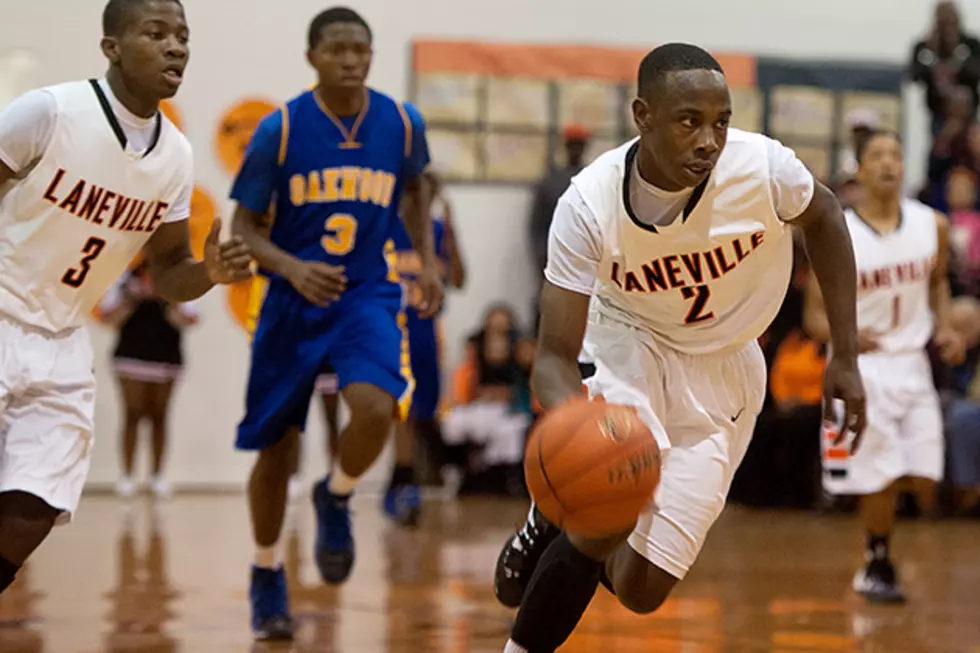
<point x="698" y="312"/>
<point x="341" y="233"/>
<point x="75" y="277"/>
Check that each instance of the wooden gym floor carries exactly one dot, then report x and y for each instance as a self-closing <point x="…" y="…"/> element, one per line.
<point x="135" y="578"/>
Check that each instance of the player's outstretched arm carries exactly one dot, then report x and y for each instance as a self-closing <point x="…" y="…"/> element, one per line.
<point x="828" y="244"/>
<point x="555" y="376"/>
<point x="416" y="210"/>
<point x="815" y="321"/>
<point x="178" y="276"/>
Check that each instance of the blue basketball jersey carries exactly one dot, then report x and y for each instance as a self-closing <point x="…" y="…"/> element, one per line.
<point x="333" y="183"/>
<point x="333" y="186"/>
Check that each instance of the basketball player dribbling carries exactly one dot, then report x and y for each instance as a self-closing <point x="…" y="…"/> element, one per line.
<point x="903" y="300"/>
<point x="90" y="172"/>
<point x="683" y="237"/>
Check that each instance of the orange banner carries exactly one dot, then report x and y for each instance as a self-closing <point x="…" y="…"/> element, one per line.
<point x="553" y="61"/>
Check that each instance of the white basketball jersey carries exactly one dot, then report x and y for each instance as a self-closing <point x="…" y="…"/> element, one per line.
<point x="712" y="280"/>
<point x="893" y="277"/>
<point x="70" y="227"/>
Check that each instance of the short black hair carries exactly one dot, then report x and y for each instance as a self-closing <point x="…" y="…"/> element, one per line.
<point x="119" y="13"/>
<point x="330" y="17"/>
<point x="673" y="57"/>
<point x="862" y="143"/>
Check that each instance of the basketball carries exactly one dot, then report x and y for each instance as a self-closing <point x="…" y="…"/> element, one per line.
<point x="592" y="467"/>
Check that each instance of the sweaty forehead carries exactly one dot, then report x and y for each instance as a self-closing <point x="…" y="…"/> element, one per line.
<point x="162" y="11"/>
<point x="345" y="33"/>
<point x="704" y="90"/>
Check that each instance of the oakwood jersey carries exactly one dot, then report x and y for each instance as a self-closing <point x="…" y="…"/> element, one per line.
<point x="72" y="225"/>
<point x="894" y="272"/>
<point x="408" y="262"/>
<point x="339" y="182"/>
<point x="715" y="278"/>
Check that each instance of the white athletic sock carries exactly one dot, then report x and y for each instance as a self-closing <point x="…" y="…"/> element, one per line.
<point x="513" y="647"/>
<point x="267" y="557"/>
<point x="341" y="484"/>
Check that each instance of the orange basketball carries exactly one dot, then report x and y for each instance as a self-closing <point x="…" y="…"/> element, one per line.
<point x="592" y="467"/>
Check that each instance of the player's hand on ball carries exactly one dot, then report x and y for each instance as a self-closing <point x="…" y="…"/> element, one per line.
<point x="318" y="282"/>
<point x="226" y="262"/>
<point x="430" y="286"/>
<point x="842" y="380"/>
<point x="952" y="349"/>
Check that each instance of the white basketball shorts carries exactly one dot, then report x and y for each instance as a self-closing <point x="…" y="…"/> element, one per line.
<point x="702" y="411"/>
<point x="47" y="406"/>
<point x="904" y="436"/>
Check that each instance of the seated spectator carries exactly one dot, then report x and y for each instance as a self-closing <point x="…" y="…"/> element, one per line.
<point x="492" y="407"/>
<point x="947" y="57"/>
<point x="964" y="233"/>
<point x="963" y="411"/>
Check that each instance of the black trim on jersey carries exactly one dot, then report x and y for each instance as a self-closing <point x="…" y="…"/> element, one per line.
<point x="114" y="122"/>
<point x="901" y="221"/>
<point x="692" y="201"/>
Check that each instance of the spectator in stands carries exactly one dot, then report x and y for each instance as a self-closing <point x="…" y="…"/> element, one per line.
<point x="955" y="144"/>
<point x="964" y="232"/>
<point x="546" y="194"/>
<point x="948" y="57"/>
<point x="492" y="406"/>
<point x="963" y="411"/>
<point x="782" y="465"/>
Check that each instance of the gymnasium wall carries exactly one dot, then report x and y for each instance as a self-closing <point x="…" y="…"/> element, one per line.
<point x="252" y="48"/>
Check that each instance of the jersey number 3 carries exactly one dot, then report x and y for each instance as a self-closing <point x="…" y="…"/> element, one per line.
<point x="75" y="277"/>
<point x="341" y="233"/>
<point x="698" y="312"/>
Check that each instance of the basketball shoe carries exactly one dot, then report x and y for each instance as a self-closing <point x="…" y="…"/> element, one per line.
<point x="520" y="556"/>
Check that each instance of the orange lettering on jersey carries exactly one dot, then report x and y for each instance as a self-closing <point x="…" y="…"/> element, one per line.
<point x="614" y="275"/>
<point x="159" y="211"/>
<point x="632" y="283"/>
<point x="686" y="270"/>
<point x="70" y="203"/>
<point x="712" y="267"/>
<point x="348" y="187"/>
<point x="654" y="275"/>
<point x="726" y="267"/>
<point x="122" y="203"/>
<point x="143" y="224"/>
<point x="53" y="186"/>
<point x="739" y="254"/>
<point x="673" y="269"/>
<point x="331" y="181"/>
<point x="693" y="264"/>
<point x="895" y="274"/>
<point x="91" y="204"/>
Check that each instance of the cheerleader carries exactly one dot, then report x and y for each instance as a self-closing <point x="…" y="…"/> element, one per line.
<point x="147" y="361"/>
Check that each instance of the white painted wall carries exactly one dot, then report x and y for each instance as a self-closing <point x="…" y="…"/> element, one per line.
<point x="248" y="47"/>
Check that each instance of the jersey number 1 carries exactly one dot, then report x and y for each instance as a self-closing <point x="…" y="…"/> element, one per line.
<point x="75" y="277"/>
<point x="698" y="312"/>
